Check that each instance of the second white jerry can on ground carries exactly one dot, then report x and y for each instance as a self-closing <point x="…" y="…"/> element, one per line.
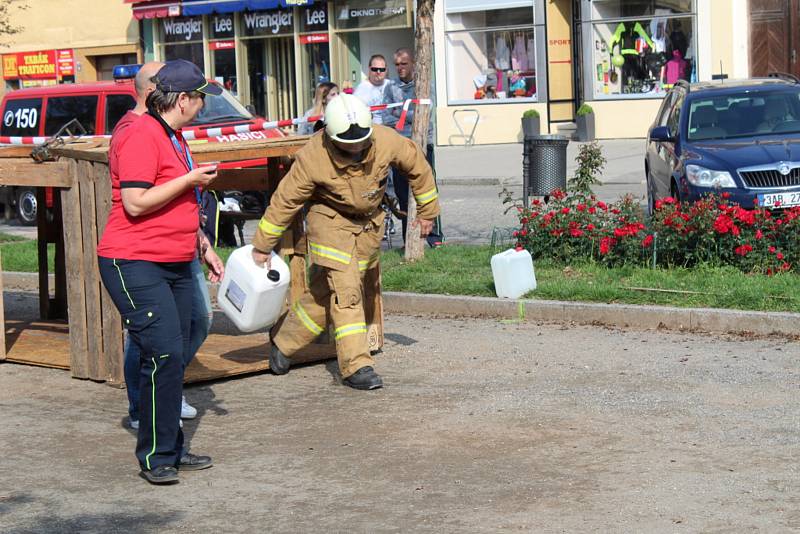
<point x="513" y="273"/>
<point x="252" y="296"/>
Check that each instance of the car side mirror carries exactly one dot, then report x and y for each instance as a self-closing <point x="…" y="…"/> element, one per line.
<point x="662" y="134"/>
<point x="251" y="108"/>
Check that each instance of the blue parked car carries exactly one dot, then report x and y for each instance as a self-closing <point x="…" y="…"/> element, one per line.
<point x="740" y="137"/>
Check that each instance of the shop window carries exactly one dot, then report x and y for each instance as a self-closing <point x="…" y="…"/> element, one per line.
<point x="190" y="52"/>
<point x="116" y="107"/>
<point x="62" y="109"/>
<point x="21" y="117"/>
<point x="225" y="69"/>
<point x="607" y="9"/>
<point x="649" y="47"/>
<point x="491" y="55"/>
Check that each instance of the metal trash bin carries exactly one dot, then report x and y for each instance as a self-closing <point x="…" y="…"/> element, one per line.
<point x="544" y="165"/>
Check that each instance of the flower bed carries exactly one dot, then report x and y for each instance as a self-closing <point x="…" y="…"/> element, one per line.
<point x="710" y="232"/>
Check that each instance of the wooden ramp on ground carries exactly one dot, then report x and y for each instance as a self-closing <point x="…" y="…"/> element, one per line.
<point x="46" y="344"/>
<point x="224" y="355"/>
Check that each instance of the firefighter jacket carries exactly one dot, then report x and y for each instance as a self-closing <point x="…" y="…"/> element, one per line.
<point x="344" y="216"/>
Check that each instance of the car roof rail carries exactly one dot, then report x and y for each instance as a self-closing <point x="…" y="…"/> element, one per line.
<point x="684" y="84"/>
<point x="784" y="76"/>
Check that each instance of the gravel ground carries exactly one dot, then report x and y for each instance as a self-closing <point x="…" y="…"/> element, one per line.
<point x="484" y="426"/>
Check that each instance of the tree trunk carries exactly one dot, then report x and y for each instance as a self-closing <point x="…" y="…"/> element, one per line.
<point x="423" y="60"/>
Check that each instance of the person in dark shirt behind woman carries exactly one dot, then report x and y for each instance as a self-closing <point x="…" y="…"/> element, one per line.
<point x="145" y="257"/>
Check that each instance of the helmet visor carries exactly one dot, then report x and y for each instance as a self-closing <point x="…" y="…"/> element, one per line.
<point x="354" y="134"/>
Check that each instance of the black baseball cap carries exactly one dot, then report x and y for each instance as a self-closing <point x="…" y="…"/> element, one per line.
<point x="181" y="76"/>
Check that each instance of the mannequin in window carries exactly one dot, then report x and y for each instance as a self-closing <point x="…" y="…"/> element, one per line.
<point x="678" y="39"/>
<point x="623" y="43"/>
<point x="675" y="68"/>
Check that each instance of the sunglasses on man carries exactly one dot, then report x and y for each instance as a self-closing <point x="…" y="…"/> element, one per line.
<point x="378" y="69"/>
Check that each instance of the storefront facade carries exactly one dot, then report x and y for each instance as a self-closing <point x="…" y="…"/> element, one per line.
<point x="619" y="56"/>
<point x="272" y="54"/>
<point x="492" y="60"/>
<point x="54" y="46"/>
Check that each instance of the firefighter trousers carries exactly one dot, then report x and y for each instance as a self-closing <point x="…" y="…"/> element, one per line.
<point x="336" y="297"/>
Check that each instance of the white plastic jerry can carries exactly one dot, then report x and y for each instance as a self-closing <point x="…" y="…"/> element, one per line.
<point x="253" y="296"/>
<point x="513" y="273"/>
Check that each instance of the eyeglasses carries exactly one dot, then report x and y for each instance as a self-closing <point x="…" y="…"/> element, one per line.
<point x="378" y="69"/>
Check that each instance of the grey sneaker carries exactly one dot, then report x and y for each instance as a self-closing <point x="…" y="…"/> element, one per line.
<point x="187" y="410"/>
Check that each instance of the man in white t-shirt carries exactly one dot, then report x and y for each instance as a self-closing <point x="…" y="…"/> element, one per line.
<point x="371" y="90"/>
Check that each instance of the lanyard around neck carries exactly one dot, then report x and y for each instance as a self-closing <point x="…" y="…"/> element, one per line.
<point x="189" y="163"/>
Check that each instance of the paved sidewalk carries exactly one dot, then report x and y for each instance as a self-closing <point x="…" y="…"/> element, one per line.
<point x="492" y="164"/>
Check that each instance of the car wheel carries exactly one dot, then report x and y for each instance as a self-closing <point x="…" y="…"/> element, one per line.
<point x="27" y="206"/>
<point x="651" y="196"/>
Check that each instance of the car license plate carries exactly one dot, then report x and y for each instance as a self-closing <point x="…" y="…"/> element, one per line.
<point x="779" y="200"/>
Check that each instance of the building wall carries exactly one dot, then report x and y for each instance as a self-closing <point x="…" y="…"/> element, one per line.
<point x="91" y="27"/>
<point x="615" y="119"/>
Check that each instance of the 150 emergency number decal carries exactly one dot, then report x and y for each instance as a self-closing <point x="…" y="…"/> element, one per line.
<point x="21" y="118"/>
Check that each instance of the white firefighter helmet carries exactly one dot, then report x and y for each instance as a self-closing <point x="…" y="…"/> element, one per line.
<point x="348" y="119"/>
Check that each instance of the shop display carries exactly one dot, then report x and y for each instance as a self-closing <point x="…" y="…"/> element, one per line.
<point x="510" y="68"/>
<point x="491" y="53"/>
<point x="644" y="57"/>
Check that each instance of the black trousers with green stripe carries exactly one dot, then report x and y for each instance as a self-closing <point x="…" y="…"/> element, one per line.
<point x="155" y="301"/>
<point x="401" y="190"/>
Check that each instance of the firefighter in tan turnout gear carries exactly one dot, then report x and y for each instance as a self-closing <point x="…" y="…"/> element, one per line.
<point x="341" y="175"/>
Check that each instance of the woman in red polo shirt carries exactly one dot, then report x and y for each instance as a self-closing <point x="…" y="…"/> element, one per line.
<point x="145" y="257"/>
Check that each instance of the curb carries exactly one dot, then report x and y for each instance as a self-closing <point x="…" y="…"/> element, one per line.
<point x="474" y="180"/>
<point x="710" y="320"/>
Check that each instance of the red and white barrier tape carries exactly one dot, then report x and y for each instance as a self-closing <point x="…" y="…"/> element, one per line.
<point x="259" y="125"/>
<point x="268" y="125"/>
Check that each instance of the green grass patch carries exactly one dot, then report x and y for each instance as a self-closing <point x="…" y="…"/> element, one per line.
<point x="21" y="255"/>
<point x="465" y="270"/>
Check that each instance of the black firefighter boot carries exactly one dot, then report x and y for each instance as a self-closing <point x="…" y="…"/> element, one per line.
<point x="278" y="363"/>
<point x="365" y="378"/>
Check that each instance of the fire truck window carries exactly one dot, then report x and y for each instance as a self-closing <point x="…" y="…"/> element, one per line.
<point x="62" y="109"/>
<point x="116" y="107"/>
<point x="22" y="117"/>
